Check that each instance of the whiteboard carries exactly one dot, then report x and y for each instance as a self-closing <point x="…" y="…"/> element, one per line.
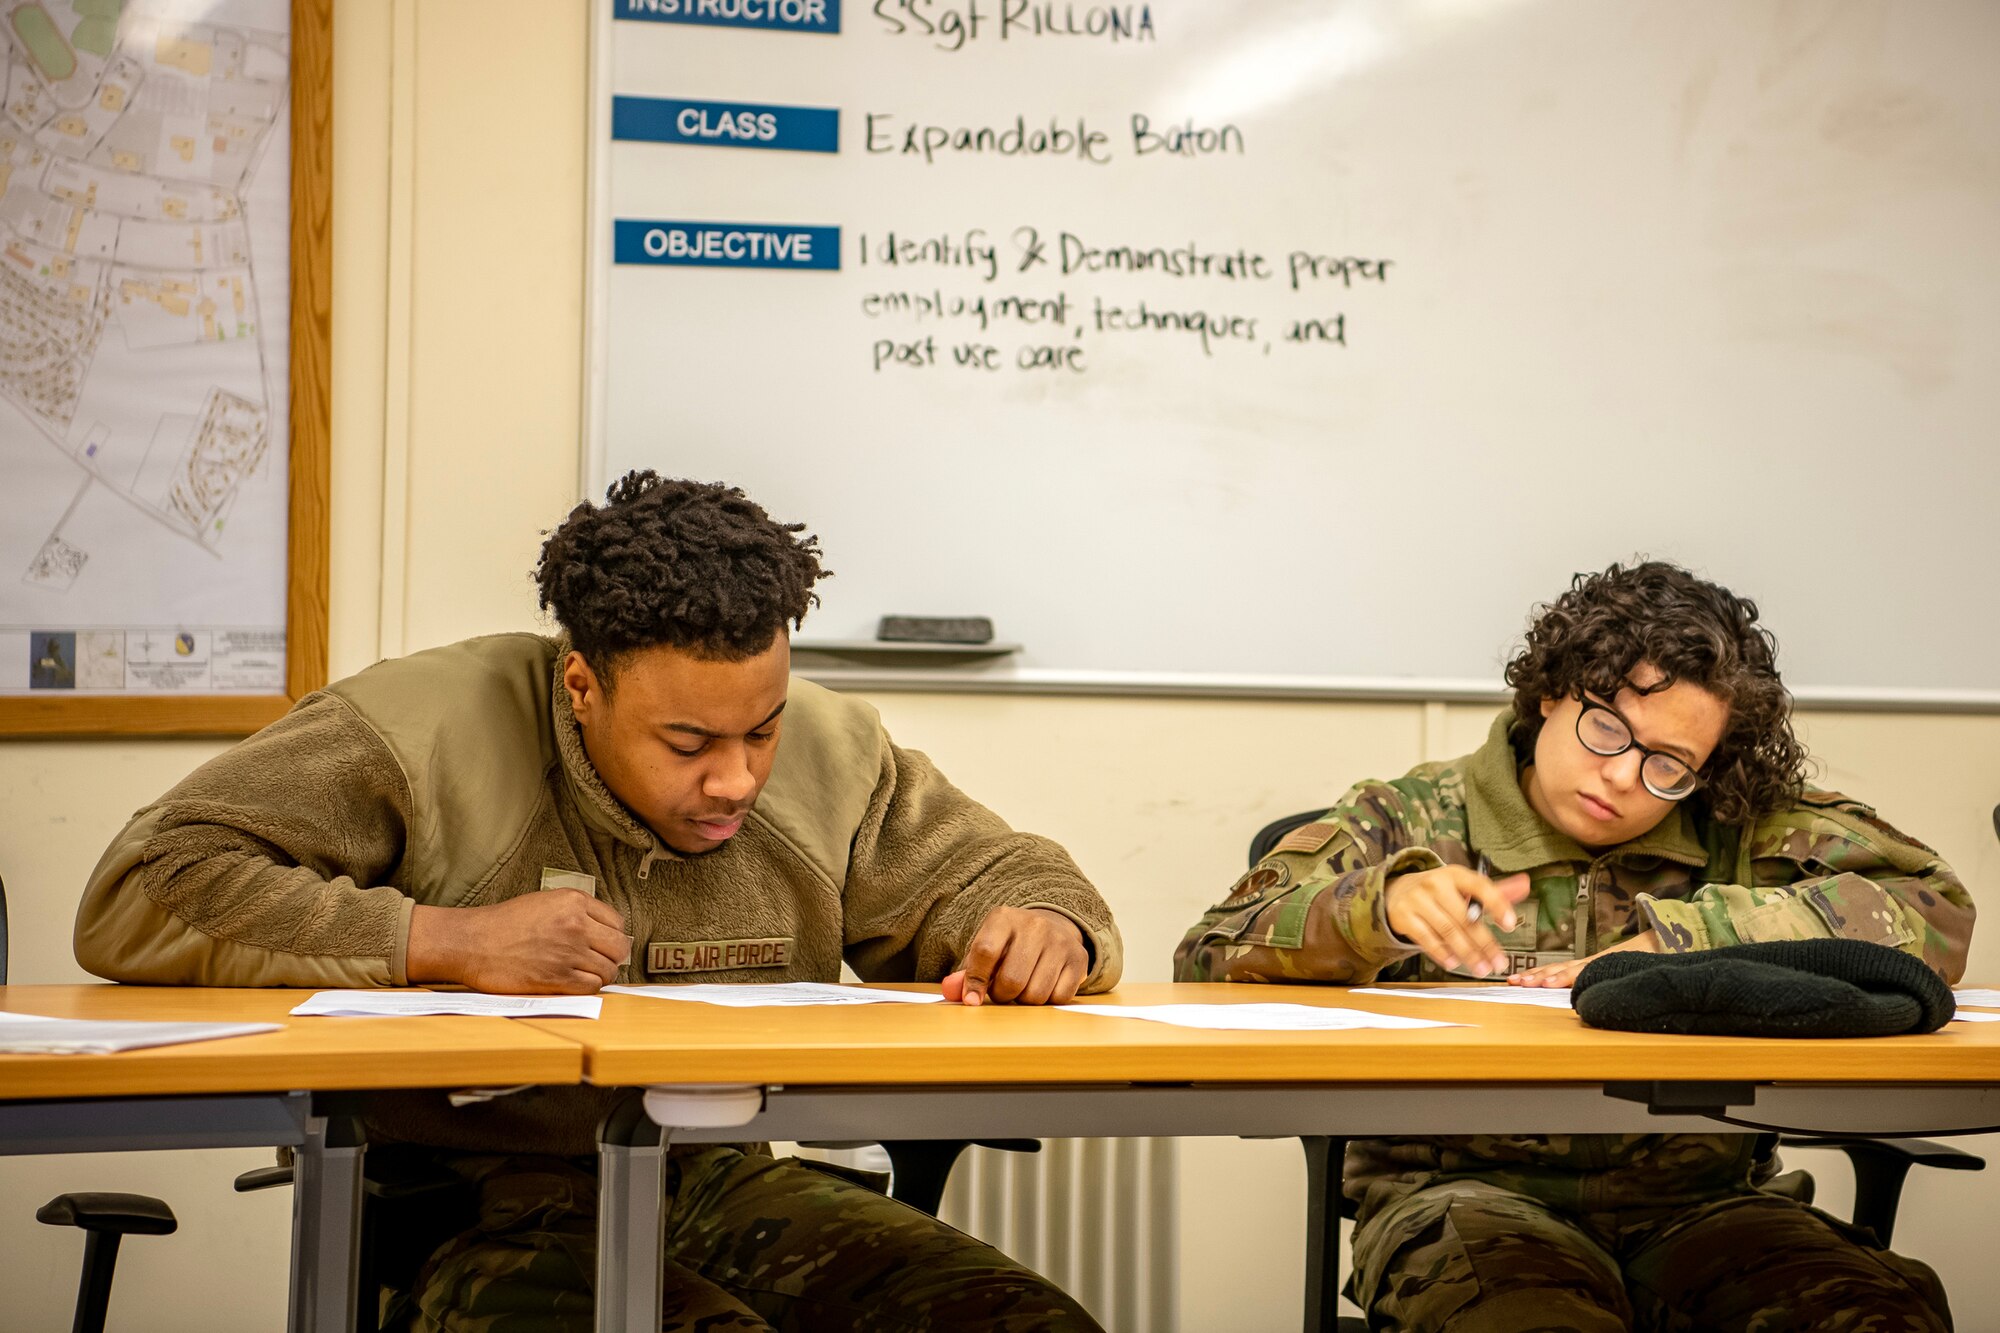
<point x="1429" y="305"/>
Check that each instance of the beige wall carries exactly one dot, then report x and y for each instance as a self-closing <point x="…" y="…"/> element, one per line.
<point x="458" y="332"/>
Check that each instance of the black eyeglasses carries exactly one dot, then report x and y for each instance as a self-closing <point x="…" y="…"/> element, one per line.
<point x="1605" y="733"/>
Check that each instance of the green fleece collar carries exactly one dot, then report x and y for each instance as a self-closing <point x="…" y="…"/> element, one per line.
<point x="599" y="806"/>
<point x="1505" y="829"/>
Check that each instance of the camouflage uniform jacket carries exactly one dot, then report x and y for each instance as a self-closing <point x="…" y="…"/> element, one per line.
<point x="1313" y="911"/>
<point x="457" y="777"/>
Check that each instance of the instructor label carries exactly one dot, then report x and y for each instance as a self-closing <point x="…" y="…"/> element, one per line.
<point x="785" y="15"/>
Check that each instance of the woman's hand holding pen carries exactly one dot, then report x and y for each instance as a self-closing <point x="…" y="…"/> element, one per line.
<point x="1439" y="911"/>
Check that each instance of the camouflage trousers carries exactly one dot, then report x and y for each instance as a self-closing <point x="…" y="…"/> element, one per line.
<point x="752" y="1243"/>
<point x="1468" y="1257"/>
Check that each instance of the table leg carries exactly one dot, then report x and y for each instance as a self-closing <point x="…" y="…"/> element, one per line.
<point x="631" y="1220"/>
<point x="326" y="1225"/>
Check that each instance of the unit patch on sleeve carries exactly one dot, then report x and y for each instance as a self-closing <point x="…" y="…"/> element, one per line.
<point x="1256" y="883"/>
<point x="668" y="956"/>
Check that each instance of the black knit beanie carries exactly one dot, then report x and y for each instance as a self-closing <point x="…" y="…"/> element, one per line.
<point x="1781" y="988"/>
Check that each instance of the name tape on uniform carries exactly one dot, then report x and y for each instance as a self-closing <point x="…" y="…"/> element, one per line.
<point x="725" y="244"/>
<point x="553" y="878"/>
<point x="800" y="129"/>
<point x="783" y="15"/>
<point x="670" y="956"/>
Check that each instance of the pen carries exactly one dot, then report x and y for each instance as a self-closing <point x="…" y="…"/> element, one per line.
<point x="1473" y="909"/>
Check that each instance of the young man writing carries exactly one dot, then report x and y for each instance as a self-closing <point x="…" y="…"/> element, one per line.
<point x="1644" y="791"/>
<point x="651" y="797"/>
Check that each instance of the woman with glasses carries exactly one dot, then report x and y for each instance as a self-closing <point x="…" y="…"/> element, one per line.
<point x="1644" y="791"/>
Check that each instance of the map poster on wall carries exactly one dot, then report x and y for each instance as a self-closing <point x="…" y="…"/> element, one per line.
<point x="146" y="348"/>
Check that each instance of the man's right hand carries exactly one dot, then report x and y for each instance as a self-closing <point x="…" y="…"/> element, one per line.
<point x="550" y="942"/>
<point x="1428" y="909"/>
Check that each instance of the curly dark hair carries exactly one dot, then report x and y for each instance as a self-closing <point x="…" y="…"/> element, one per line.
<point x="692" y="565"/>
<point x="1593" y="637"/>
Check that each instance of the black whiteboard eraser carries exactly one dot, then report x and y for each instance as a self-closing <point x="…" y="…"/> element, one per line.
<point x="935" y="629"/>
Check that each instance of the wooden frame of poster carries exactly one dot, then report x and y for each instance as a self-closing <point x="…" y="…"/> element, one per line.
<point x="50" y="714"/>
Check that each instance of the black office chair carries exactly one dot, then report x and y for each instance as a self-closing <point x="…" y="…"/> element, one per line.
<point x="1880" y="1168"/>
<point x="920" y="1169"/>
<point x="105" y="1219"/>
<point x="396" y="1241"/>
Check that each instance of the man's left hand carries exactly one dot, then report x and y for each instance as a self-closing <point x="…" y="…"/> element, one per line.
<point x="1021" y="955"/>
<point x="1563" y="974"/>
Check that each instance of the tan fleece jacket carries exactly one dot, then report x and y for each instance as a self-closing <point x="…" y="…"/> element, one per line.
<point x="457" y="777"/>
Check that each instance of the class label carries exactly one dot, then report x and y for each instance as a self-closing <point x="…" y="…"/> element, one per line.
<point x="725" y="244"/>
<point x="802" y="129"/>
<point x="786" y="15"/>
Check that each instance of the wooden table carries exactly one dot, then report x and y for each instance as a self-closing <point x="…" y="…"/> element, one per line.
<point x="933" y="1071"/>
<point x="646" y="1041"/>
<point x="310" y="1053"/>
<point x="258" y="1091"/>
<point x="943" y="1071"/>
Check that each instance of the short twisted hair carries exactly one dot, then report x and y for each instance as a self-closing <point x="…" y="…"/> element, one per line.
<point x="687" y="564"/>
<point x="1595" y="635"/>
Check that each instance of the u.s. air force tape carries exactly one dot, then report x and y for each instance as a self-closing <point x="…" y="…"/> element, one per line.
<point x="674" y="956"/>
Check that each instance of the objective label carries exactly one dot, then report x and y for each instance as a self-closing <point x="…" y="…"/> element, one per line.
<point x="725" y="244"/>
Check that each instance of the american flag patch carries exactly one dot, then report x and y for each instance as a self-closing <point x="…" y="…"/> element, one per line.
<point x="1307" y="838"/>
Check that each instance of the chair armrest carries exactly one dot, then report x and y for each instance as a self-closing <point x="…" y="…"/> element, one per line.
<point x="122" y="1214"/>
<point x="1004" y="1145"/>
<point x="1941" y="1156"/>
<point x="921" y="1167"/>
<point x="263" y="1178"/>
<point x="1880" y="1166"/>
<point x="396" y="1179"/>
<point x="1917" y="1152"/>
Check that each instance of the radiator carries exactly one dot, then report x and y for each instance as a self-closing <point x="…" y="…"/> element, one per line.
<point x="1098" y="1217"/>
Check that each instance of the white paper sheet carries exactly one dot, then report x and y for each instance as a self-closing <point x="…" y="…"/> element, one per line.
<point x="1541" y="997"/>
<point x="38" y="1034"/>
<point x="1978" y="997"/>
<point x="1974" y="1016"/>
<point x="777" y="993"/>
<point x="1254" y="1017"/>
<point x="401" y="1004"/>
